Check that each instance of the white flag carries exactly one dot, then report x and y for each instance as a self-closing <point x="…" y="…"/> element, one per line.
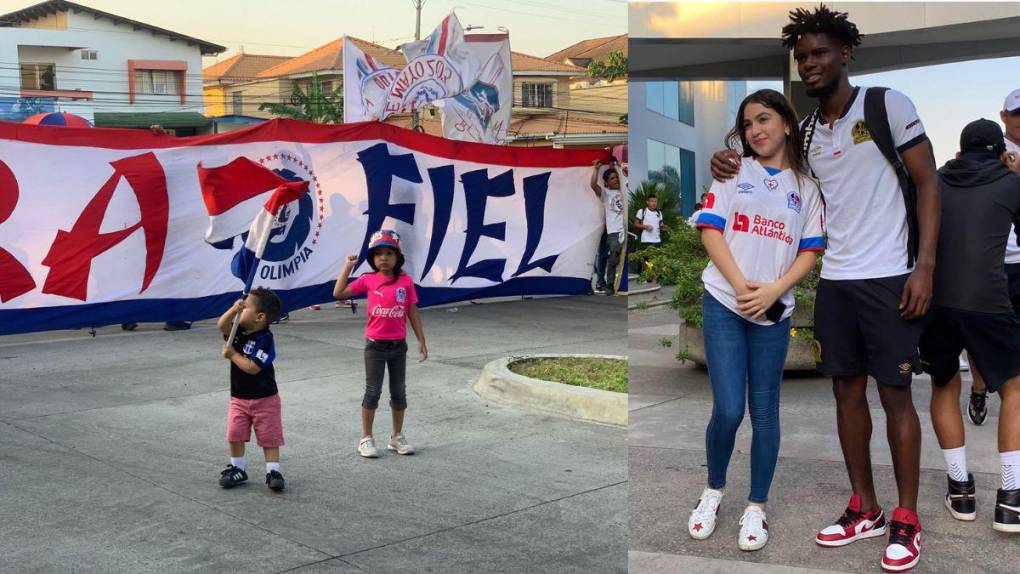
<point x="440" y="66"/>
<point x="367" y="83"/>
<point x="482" y="113"/>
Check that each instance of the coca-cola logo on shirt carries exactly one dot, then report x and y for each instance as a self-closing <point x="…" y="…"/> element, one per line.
<point x="390" y="312"/>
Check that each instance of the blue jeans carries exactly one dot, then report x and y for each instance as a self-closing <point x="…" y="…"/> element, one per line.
<point x="744" y="359"/>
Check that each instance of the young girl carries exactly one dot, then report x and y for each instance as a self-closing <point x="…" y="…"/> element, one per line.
<point x="392" y="300"/>
<point x="762" y="231"/>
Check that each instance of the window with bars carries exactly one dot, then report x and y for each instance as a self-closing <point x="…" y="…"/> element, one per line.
<point x="237" y="103"/>
<point x="38" y="76"/>
<point x="89" y="55"/>
<point x="536" y="95"/>
<point x="157" y="82"/>
<point x="326" y="87"/>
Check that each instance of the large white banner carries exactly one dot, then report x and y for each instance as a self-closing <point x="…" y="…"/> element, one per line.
<point x="367" y="84"/>
<point x="105" y="226"/>
<point x="440" y="66"/>
<point x="482" y="112"/>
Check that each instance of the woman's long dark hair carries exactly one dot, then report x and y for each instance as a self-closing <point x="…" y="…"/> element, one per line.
<point x="778" y="103"/>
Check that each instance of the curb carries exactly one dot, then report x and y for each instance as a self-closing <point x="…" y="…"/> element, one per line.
<point x="662" y="303"/>
<point x="644" y="290"/>
<point x="498" y="383"/>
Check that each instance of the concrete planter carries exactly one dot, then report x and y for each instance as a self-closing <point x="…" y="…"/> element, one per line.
<point x="799" y="357"/>
<point x="498" y="383"/>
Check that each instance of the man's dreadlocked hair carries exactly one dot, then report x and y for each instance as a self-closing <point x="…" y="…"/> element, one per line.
<point x="821" y="21"/>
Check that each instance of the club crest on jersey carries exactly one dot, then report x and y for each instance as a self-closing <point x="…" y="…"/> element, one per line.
<point x="401" y="294"/>
<point x="249" y="347"/>
<point x="745" y="188"/>
<point x="793" y="201"/>
<point x="860" y="132"/>
<point x="771" y="184"/>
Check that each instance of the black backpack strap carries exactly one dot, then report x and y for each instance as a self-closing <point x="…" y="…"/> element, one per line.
<point x="808" y="134"/>
<point x="876" y="118"/>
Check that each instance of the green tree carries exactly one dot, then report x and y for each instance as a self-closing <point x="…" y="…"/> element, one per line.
<point x="313" y="105"/>
<point x="613" y="67"/>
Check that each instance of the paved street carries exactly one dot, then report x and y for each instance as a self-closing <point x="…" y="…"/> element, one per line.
<point x="669" y="407"/>
<point x="112" y="446"/>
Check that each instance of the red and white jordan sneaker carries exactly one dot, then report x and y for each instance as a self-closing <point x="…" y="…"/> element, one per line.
<point x="854" y="525"/>
<point x="701" y="524"/>
<point x="904" y="549"/>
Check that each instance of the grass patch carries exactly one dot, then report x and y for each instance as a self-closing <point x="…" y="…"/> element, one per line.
<point x="595" y="373"/>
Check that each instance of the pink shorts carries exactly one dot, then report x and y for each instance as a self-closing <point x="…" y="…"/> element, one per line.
<point x="263" y="414"/>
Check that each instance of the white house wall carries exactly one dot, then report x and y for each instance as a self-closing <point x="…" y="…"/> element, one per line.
<point x="107" y="76"/>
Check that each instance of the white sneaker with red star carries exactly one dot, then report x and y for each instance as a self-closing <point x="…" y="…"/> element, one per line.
<point x="702" y="521"/>
<point x="754" y="529"/>
<point x="904" y="549"/>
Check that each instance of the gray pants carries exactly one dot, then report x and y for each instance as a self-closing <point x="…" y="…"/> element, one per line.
<point x="613" y="259"/>
<point x="378" y="356"/>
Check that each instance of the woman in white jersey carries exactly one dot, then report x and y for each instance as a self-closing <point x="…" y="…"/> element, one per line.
<point x="762" y="231"/>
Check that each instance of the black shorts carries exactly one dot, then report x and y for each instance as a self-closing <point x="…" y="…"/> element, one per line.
<point x="1013" y="275"/>
<point x="859" y="331"/>
<point x="993" y="341"/>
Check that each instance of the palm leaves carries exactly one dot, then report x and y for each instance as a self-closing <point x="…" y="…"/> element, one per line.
<point x="313" y="105"/>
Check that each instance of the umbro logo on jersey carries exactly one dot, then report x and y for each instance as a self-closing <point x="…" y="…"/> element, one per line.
<point x="745" y="188"/>
<point x="816" y="150"/>
<point x="771" y="184"/>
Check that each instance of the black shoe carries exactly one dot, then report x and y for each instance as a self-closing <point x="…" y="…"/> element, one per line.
<point x="129" y="326"/>
<point x="978" y="409"/>
<point x="176" y="326"/>
<point x="1007" y="511"/>
<point x="232" y="476"/>
<point x="960" y="498"/>
<point x="610" y="292"/>
<point x="275" y="480"/>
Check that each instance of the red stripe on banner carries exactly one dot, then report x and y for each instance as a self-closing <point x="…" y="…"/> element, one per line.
<point x="444" y="36"/>
<point x="284" y="194"/>
<point x="285" y="130"/>
<point x="225" y="186"/>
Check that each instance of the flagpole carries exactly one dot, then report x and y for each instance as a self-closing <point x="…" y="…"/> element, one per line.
<point x="415" y="121"/>
<point x="251" y="278"/>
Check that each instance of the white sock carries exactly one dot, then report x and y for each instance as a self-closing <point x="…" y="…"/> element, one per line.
<point x="237" y="461"/>
<point x="1010" y="469"/>
<point x="956" y="463"/>
<point x="271" y="466"/>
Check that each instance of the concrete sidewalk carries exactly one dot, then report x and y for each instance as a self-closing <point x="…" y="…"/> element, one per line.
<point x="111" y="451"/>
<point x="670" y="405"/>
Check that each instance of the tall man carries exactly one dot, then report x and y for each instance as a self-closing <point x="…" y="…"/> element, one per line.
<point x="876" y="276"/>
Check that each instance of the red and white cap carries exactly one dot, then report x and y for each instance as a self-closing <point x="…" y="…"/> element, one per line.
<point x="1012" y="102"/>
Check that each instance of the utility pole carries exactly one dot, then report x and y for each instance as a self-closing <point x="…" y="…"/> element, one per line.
<point x="415" y="120"/>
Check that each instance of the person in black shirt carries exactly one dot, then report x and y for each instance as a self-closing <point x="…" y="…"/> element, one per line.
<point x="254" y="400"/>
<point x="972" y="310"/>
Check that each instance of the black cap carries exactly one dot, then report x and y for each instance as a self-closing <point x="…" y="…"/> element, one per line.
<point x="982" y="135"/>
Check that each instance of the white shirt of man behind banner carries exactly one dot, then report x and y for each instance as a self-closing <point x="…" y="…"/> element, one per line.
<point x="865" y="216"/>
<point x="1012" y="250"/>
<point x="766" y="220"/>
<point x="613" y="204"/>
<point x="653" y="218"/>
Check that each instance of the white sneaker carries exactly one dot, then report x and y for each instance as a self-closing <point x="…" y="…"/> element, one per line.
<point x="702" y="521"/>
<point x="366" y="448"/>
<point x="399" y="445"/>
<point x="754" y="530"/>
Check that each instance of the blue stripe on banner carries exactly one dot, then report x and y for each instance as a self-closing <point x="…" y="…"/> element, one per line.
<point x="160" y="310"/>
<point x="711" y="219"/>
<point x="811" y="243"/>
